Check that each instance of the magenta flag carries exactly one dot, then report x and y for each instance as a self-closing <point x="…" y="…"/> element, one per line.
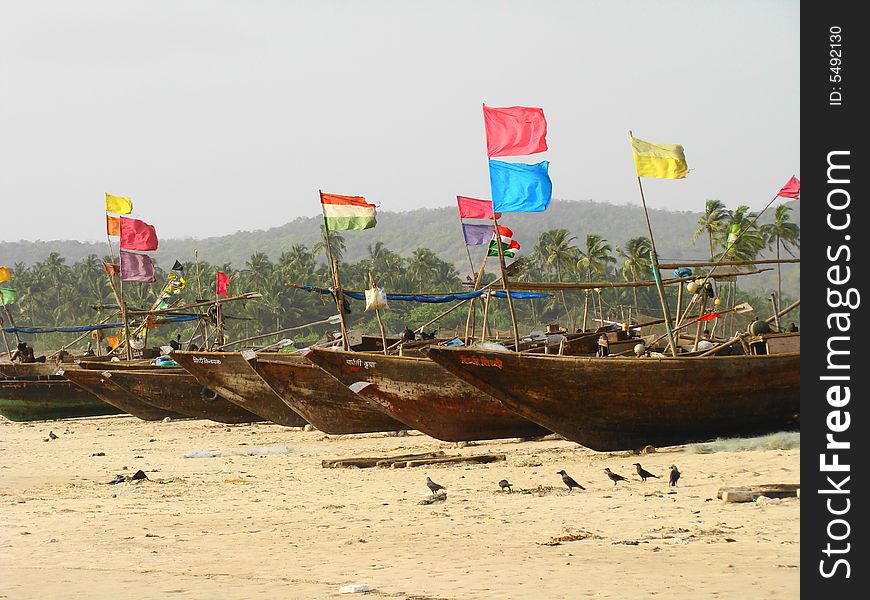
<point x="792" y="189"/>
<point x="514" y="131"/>
<point x="137" y="235"/>
<point x="136" y="267"/>
<point x="476" y="235"/>
<point x="472" y="208"/>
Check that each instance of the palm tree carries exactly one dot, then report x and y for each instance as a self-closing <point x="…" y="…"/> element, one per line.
<point x="423" y="266"/>
<point x="637" y="261"/>
<point x="782" y="233"/>
<point x="594" y="257"/>
<point x="743" y="240"/>
<point x="336" y="244"/>
<point x="557" y="251"/>
<point x="714" y="221"/>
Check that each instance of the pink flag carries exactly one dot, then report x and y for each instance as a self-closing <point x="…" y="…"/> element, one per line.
<point x="137" y="235"/>
<point x="472" y="208"/>
<point x="223" y="283"/>
<point x="514" y="131"/>
<point x="136" y="267"/>
<point x="792" y="189"/>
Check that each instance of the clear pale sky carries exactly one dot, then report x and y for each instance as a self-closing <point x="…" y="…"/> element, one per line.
<point x="218" y="116"/>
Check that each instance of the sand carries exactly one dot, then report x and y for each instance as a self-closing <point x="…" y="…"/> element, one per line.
<point x="280" y="525"/>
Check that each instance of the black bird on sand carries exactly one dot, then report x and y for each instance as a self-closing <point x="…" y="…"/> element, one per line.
<point x="434" y="486"/>
<point x="504" y="484"/>
<point x="52" y="435"/>
<point x="569" y="481"/>
<point x="675" y="476"/>
<point x="643" y="472"/>
<point x="614" y="477"/>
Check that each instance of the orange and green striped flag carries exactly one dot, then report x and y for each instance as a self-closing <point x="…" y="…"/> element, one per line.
<point x="346" y="213"/>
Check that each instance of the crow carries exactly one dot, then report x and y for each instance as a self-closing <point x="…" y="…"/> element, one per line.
<point x="52" y="435"/>
<point x="644" y="473"/>
<point x="504" y="484"/>
<point x="675" y="476"/>
<point x="569" y="481"/>
<point x="434" y="486"/>
<point x="614" y="477"/>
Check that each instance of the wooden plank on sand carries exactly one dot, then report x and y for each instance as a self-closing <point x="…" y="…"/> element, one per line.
<point x="751" y="493"/>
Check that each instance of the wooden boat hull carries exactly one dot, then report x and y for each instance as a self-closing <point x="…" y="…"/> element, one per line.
<point x="19" y="370"/>
<point x="323" y="401"/>
<point x="626" y="403"/>
<point x="233" y="377"/>
<point x="179" y="392"/>
<point x="419" y="393"/>
<point x="50" y="398"/>
<point x="94" y="382"/>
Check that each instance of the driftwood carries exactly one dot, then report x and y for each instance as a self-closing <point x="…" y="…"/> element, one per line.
<point x="478" y="459"/>
<point x="751" y="493"/>
<point x="379" y="461"/>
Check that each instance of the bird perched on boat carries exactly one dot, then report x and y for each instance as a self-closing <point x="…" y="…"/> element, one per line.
<point x="52" y="435"/>
<point x="569" y="481"/>
<point x="675" y="476"/>
<point x="644" y="473"/>
<point x="614" y="477"/>
<point x="176" y="343"/>
<point x="504" y="484"/>
<point x="408" y="334"/>
<point x="434" y="486"/>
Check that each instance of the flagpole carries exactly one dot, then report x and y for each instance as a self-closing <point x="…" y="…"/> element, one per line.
<point x="504" y="283"/>
<point x="336" y="278"/>
<point x="471" y="308"/>
<point x="11" y="323"/>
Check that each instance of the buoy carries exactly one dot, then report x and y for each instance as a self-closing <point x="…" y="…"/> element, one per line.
<point x="717" y="302"/>
<point x="692" y="286"/>
<point x="639" y="349"/>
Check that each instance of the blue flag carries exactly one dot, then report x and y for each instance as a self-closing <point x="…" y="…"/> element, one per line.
<point x="518" y="187"/>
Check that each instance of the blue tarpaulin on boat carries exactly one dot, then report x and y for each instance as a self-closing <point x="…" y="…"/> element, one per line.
<point x="432" y="298"/>
<point x="86" y="328"/>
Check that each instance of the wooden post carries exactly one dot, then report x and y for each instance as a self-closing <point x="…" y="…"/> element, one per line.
<point x="471" y="308"/>
<point x="585" y="307"/>
<point x="679" y="303"/>
<point x="485" y="329"/>
<point x="378" y="315"/>
<point x="775" y="310"/>
<point x="505" y="285"/>
<point x="336" y="278"/>
<point x="703" y="293"/>
<point x="5" y="339"/>
<point x="600" y="307"/>
<point x="11" y="323"/>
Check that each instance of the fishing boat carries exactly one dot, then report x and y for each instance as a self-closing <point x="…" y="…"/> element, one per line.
<point x="29" y="399"/>
<point x="179" y="391"/>
<point x="93" y="381"/>
<point x="421" y="394"/>
<point x="231" y="376"/>
<point x="617" y="403"/>
<point x="324" y="402"/>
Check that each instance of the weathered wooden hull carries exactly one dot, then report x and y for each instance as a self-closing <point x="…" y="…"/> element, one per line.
<point x="233" y="377"/>
<point x="31" y="370"/>
<point x="626" y="403"/>
<point x="94" y="382"/>
<point x="179" y="392"/>
<point x="421" y="394"/>
<point x="323" y="401"/>
<point x="50" y="398"/>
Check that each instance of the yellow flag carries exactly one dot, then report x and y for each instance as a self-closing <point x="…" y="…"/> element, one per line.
<point x="5" y="275"/>
<point x="663" y="161"/>
<point x="118" y="204"/>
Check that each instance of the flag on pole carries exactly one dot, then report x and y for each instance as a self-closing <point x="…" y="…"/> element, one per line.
<point x="509" y="246"/>
<point x="136" y="267"/>
<point x="137" y="235"/>
<point x="662" y="161"/>
<point x="223" y="283"/>
<point x="347" y="213"/>
<point x="518" y="187"/>
<point x="476" y="235"/>
<point x="709" y="316"/>
<point x="118" y="204"/>
<point x="112" y="270"/>
<point x="792" y="189"/>
<point x="514" y="130"/>
<point x="113" y="225"/>
<point x="5" y="275"/>
<point x="472" y="208"/>
<point x="7" y="296"/>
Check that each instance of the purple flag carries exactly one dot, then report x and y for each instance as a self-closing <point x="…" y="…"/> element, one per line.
<point x="136" y="267"/>
<point x="476" y="235"/>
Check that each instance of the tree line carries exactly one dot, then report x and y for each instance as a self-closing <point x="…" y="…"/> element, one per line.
<point x="52" y="293"/>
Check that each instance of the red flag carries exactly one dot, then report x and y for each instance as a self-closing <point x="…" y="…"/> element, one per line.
<point x="514" y="131"/>
<point x="792" y="189"/>
<point x="223" y="283"/>
<point x="472" y="208"/>
<point x="709" y="316"/>
<point x="137" y="235"/>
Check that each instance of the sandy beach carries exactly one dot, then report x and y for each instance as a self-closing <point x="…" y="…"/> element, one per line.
<point x="262" y="521"/>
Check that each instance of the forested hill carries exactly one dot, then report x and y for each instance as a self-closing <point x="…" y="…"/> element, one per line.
<point x="404" y="232"/>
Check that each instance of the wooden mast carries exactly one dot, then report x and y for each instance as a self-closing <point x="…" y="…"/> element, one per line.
<point x="336" y="278"/>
